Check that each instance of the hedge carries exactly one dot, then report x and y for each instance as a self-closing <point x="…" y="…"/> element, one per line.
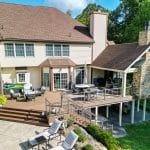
<point x="88" y="147"/>
<point x="82" y="138"/>
<point x="103" y="136"/>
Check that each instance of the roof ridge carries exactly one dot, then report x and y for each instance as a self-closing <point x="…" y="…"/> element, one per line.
<point x="124" y="44"/>
<point x="27" y="5"/>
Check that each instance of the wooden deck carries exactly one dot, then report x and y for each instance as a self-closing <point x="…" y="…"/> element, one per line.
<point x="100" y="101"/>
<point x="37" y="104"/>
<point x="55" y="97"/>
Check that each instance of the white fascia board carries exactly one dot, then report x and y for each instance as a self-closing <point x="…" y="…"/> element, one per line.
<point x="126" y="70"/>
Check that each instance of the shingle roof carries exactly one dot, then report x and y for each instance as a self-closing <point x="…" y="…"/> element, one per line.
<point x="20" y="22"/>
<point x="119" y="56"/>
<point x="57" y="62"/>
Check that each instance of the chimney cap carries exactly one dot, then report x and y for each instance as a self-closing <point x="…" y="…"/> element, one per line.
<point x="99" y="12"/>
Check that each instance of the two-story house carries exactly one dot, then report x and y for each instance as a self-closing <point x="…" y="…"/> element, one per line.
<point x="44" y="46"/>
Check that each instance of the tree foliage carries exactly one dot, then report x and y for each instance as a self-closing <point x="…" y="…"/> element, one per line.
<point x="125" y="21"/>
<point x="84" y="17"/>
<point x="69" y="12"/>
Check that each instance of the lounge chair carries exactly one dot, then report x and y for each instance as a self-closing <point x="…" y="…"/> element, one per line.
<point x="49" y="134"/>
<point x="69" y="142"/>
<point x="14" y="95"/>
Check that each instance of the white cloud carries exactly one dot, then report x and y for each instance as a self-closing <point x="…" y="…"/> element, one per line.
<point x="64" y="5"/>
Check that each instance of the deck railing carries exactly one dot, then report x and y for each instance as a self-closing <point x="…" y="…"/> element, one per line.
<point x="70" y="107"/>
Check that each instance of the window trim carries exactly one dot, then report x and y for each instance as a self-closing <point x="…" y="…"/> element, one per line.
<point x="13" y="49"/>
<point x="61" y="44"/>
<point x="23" y="49"/>
<point x="26" y="49"/>
<point x="14" y="46"/>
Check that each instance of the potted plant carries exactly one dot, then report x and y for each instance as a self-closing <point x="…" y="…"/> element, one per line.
<point x="3" y="100"/>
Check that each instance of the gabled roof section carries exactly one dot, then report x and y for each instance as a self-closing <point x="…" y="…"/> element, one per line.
<point x="32" y="23"/>
<point x="58" y="62"/>
<point x="119" y="56"/>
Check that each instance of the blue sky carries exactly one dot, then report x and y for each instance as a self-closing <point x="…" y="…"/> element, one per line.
<point x="75" y="5"/>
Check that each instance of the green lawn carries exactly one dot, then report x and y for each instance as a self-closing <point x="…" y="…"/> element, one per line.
<point x="138" y="137"/>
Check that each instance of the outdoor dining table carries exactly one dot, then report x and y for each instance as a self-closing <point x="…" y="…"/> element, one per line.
<point x="81" y="87"/>
<point x="84" y="86"/>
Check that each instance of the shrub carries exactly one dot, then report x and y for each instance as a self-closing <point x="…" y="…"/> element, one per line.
<point x="103" y="136"/>
<point x="3" y="100"/>
<point x="88" y="147"/>
<point x="82" y="138"/>
<point x="70" y="122"/>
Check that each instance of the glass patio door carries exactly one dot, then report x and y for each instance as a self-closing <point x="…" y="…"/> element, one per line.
<point x="79" y="75"/>
<point x="46" y="79"/>
<point x="60" y="80"/>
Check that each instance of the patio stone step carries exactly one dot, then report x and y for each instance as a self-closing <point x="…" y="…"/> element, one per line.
<point x="24" y="116"/>
<point x="22" y="109"/>
<point x="20" y="112"/>
<point x="19" y="120"/>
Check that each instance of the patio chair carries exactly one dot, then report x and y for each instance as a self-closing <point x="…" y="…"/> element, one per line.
<point x="49" y="134"/>
<point x="14" y="95"/>
<point x="40" y="91"/>
<point x="69" y="142"/>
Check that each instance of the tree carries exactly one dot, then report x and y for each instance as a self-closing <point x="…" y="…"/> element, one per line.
<point x="69" y="12"/>
<point x="125" y="22"/>
<point x="84" y="17"/>
<point x="128" y="19"/>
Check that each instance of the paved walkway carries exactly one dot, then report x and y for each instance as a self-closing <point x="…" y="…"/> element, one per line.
<point x="13" y="136"/>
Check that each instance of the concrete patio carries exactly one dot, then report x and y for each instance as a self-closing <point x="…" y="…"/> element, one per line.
<point x="14" y="136"/>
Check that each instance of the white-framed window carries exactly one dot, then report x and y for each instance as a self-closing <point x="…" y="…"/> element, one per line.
<point x="19" y="49"/>
<point x="65" y="50"/>
<point x="49" y="50"/>
<point x="23" y="77"/>
<point x="60" y="80"/>
<point x="29" y="49"/>
<point x="57" y="50"/>
<point x="9" y="49"/>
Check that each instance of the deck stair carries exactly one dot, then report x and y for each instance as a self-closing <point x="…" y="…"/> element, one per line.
<point x="80" y="120"/>
<point x="33" y="117"/>
<point x="80" y="115"/>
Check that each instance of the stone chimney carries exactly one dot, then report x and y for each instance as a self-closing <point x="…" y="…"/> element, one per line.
<point x="144" y="36"/>
<point x="98" y="30"/>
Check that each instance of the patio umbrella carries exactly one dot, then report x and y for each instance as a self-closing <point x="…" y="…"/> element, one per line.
<point x="85" y="74"/>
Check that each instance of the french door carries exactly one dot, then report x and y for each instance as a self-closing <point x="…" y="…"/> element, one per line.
<point x="60" y="80"/>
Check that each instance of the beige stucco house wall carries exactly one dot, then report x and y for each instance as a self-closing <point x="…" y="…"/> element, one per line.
<point x="79" y="54"/>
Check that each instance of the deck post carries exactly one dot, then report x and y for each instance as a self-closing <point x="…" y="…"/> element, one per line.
<point x="96" y="114"/>
<point x="107" y="111"/>
<point x="138" y="105"/>
<point x="144" y="109"/>
<point x="132" y="112"/>
<point x="124" y="80"/>
<point x="51" y="78"/>
<point x="120" y="114"/>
